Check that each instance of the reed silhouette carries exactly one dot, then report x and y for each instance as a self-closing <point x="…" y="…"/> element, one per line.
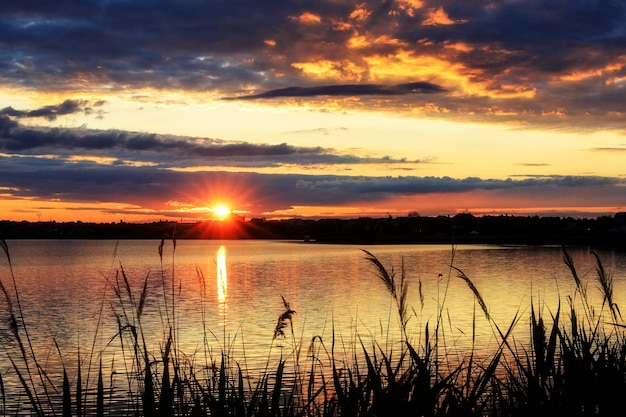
<point x="573" y="366"/>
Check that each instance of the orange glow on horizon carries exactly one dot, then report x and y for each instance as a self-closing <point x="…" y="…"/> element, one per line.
<point x="227" y="222"/>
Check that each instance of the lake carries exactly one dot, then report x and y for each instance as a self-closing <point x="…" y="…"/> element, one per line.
<point x="227" y="296"/>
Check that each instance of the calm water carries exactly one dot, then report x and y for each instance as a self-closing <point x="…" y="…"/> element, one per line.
<point x="228" y="293"/>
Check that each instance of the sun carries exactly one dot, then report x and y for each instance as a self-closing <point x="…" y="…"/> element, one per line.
<point x="221" y="211"/>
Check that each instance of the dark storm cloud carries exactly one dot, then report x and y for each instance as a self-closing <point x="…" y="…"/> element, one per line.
<point x="163" y="43"/>
<point x="346" y="90"/>
<point x="566" y="54"/>
<point x="161" y="150"/>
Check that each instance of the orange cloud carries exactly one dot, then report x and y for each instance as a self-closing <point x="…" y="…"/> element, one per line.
<point x="581" y="75"/>
<point x="459" y="46"/>
<point x="616" y="67"/>
<point x="615" y="80"/>
<point x="341" y="26"/>
<point x="439" y="17"/>
<point x="362" y="41"/>
<point x="332" y="70"/>
<point x="430" y="108"/>
<point x="409" y="6"/>
<point x="512" y="91"/>
<point x="307" y="17"/>
<point x="405" y="64"/>
<point x="360" y="13"/>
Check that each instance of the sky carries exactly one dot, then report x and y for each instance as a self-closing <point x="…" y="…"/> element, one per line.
<point x="150" y="110"/>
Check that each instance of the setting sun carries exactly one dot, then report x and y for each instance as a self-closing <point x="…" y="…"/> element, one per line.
<point x="221" y="211"/>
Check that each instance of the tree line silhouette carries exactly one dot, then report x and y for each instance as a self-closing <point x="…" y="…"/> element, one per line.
<point x="413" y="228"/>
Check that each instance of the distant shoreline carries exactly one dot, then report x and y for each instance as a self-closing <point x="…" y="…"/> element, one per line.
<point x="461" y="228"/>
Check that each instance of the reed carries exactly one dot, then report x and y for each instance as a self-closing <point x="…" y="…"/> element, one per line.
<point x="574" y="365"/>
<point x="576" y="368"/>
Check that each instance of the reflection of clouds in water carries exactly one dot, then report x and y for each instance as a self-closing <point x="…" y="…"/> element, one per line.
<point x="222" y="278"/>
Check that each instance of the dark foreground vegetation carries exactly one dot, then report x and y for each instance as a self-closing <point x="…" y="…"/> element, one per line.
<point x="461" y="228"/>
<point x="574" y="364"/>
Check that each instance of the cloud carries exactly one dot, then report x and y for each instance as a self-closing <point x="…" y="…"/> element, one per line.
<point x="537" y="62"/>
<point x="165" y="151"/>
<point x="534" y="164"/>
<point x="426" y="185"/>
<point x="354" y="90"/>
<point x="610" y="150"/>
<point x="439" y="17"/>
<point x="149" y="187"/>
<point x="52" y="112"/>
<point x="140" y="171"/>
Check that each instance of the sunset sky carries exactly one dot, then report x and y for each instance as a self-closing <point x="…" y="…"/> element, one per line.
<point x="160" y="110"/>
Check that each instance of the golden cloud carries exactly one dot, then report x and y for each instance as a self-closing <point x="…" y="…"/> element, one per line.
<point x="360" y="13"/>
<point x="308" y="18"/>
<point x="439" y="17"/>
<point x="345" y="70"/>
<point x="409" y="6"/>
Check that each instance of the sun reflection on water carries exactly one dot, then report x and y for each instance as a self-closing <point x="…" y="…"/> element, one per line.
<point x="222" y="279"/>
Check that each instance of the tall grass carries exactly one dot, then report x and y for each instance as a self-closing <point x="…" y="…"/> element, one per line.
<point x="574" y="367"/>
<point x="574" y="364"/>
